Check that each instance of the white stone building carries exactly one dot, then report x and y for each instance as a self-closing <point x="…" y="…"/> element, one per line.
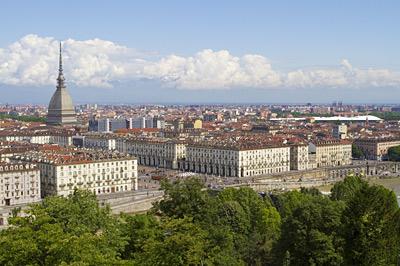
<point x="238" y="160"/>
<point x="100" y="172"/>
<point x="158" y="152"/>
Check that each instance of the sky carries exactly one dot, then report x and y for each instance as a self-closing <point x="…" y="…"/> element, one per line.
<point x="201" y="51"/>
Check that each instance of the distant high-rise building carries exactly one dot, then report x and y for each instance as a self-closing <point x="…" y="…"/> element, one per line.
<point x="340" y="131"/>
<point x="108" y="124"/>
<point x="61" y="110"/>
<point x="158" y="122"/>
<point x="138" y="122"/>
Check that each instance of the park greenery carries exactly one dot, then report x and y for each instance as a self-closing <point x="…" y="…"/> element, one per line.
<point x="388" y="116"/>
<point x="394" y="153"/>
<point x="358" y="224"/>
<point x="23" y="118"/>
<point x="356" y="152"/>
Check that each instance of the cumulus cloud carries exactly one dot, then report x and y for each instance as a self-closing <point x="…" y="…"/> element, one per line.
<point x="209" y="69"/>
<point x="343" y="75"/>
<point x="33" y="60"/>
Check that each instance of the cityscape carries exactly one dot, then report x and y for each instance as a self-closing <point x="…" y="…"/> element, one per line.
<point x="206" y="173"/>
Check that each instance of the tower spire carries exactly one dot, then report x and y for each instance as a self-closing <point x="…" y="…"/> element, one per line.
<point x="60" y="62"/>
<point x="60" y="79"/>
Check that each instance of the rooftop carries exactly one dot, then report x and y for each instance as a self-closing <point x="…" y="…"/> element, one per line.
<point x="70" y="156"/>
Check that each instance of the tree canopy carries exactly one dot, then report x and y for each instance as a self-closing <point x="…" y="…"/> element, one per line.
<point x="394" y="153"/>
<point x="356" y="152"/>
<point x="358" y="224"/>
<point x="24" y="118"/>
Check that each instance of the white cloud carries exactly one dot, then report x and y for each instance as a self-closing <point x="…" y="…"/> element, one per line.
<point x="214" y="70"/>
<point x="33" y="60"/>
<point x="344" y="75"/>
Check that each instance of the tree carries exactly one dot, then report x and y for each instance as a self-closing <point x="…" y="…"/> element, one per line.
<point x="139" y="228"/>
<point x="371" y="227"/>
<point x="241" y="225"/>
<point x="189" y="199"/>
<point x="394" y="153"/>
<point x="183" y="198"/>
<point x="253" y="221"/>
<point x="61" y="231"/>
<point x="356" y="152"/>
<point x="310" y="234"/>
<point x="285" y="203"/>
<point x="179" y="242"/>
<point x="346" y="189"/>
<point x="311" y="191"/>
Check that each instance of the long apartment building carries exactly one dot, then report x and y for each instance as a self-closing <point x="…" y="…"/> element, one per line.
<point x="62" y="138"/>
<point x="237" y="159"/>
<point x="158" y="152"/>
<point x="238" y="156"/>
<point x="329" y="153"/>
<point x="151" y="151"/>
<point x="375" y="148"/>
<point x="101" y="172"/>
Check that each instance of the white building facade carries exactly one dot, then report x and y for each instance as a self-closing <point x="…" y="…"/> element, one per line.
<point x="97" y="172"/>
<point x="156" y="152"/>
<point x="236" y="162"/>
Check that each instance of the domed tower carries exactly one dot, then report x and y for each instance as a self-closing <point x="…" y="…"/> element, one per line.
<point x="61" y="110"/>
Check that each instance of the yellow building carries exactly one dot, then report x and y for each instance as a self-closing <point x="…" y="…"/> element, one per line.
<point x="197" y="124"/>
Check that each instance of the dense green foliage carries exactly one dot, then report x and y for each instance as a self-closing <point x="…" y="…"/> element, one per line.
<point x="358" y="224"/>
<point x="388" y="116"/>
<point x="24" y="118"/>
<point x="281" y="113"/>
<point x="356" y="152"/>
<point x="394" y="153"/>
<point x="62" y="231"/>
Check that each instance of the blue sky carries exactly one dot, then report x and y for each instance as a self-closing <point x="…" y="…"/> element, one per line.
<point x="303" y="44"/>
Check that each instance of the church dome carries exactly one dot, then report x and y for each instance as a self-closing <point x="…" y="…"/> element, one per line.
<point x="61" y="100"/>
<point x="61" y="110"/>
